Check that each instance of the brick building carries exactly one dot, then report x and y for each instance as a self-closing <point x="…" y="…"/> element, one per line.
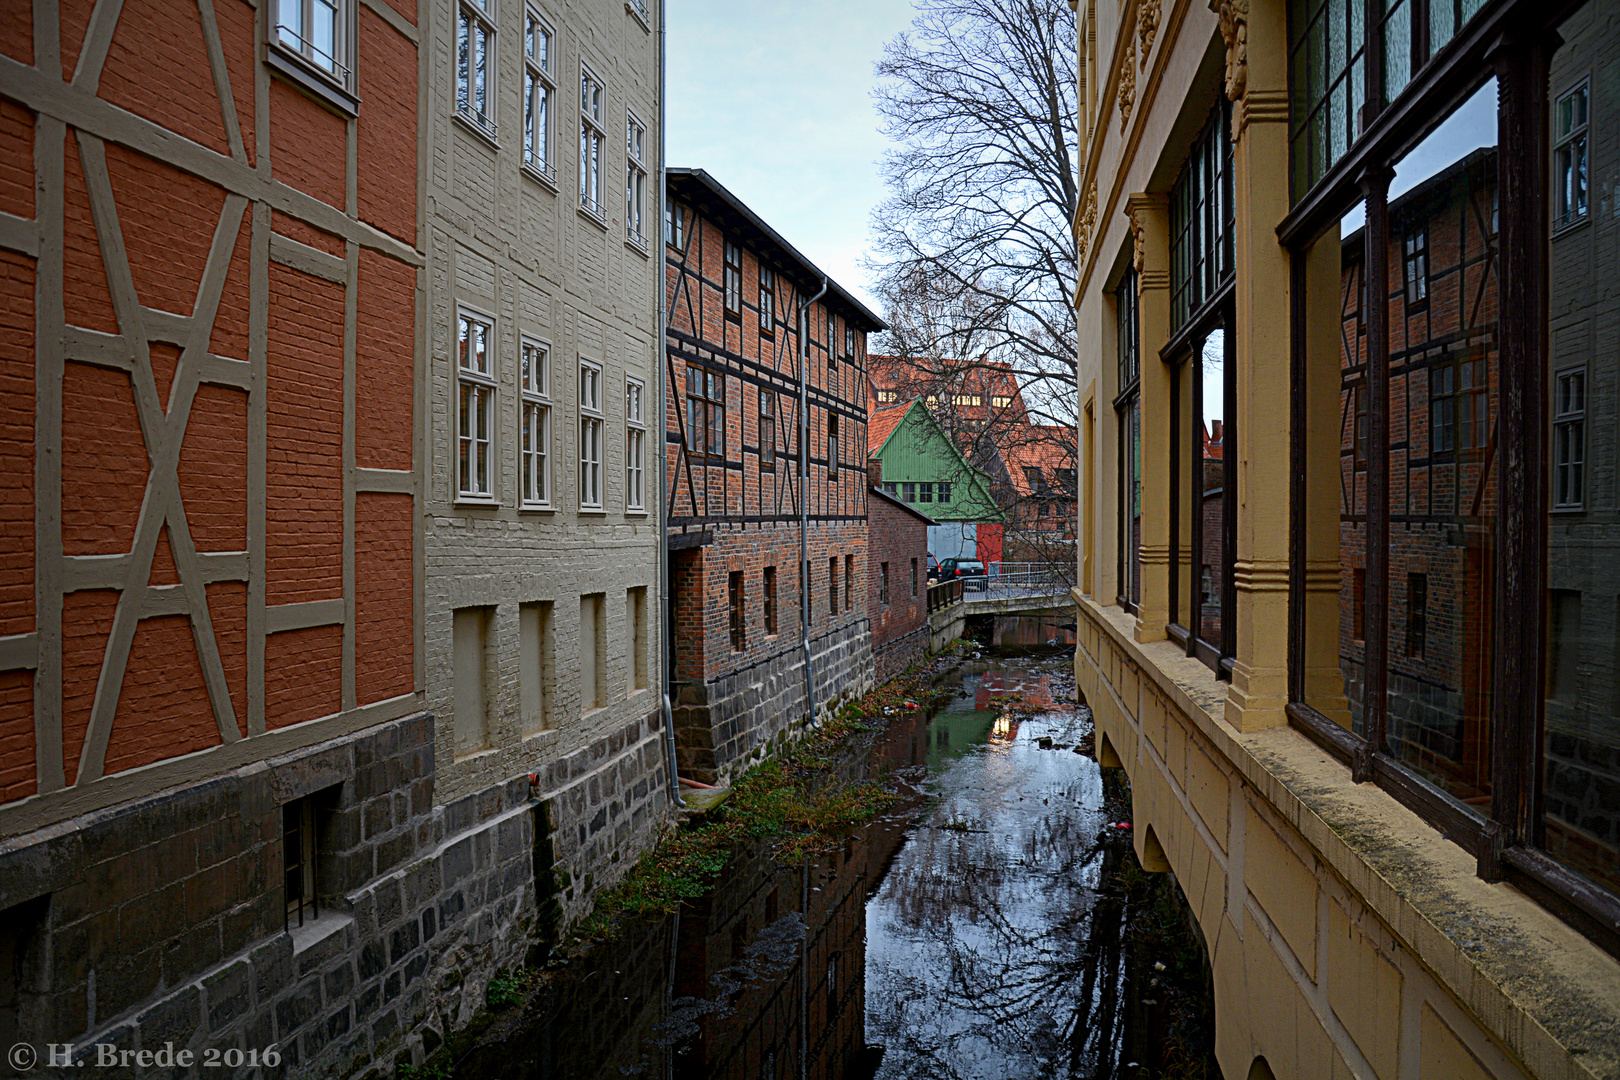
<point x="215" y="767"/>
<point x="740" y="515"/>
<point x="922" y="466"/>
<point x="897" y="589"/>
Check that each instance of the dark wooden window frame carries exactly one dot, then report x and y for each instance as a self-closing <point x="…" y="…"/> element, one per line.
<point x="711" y="406"/>
<point x="732" y="281"/>
<point x="769" y="593"/>
<point x="1513" y="40"/>
<point x="767" y="429"/>
<point x="767" y="301"/>
<point x="1128" y="340"/>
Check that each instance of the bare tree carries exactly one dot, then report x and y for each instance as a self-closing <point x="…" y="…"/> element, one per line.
<point x="974" y="250"/>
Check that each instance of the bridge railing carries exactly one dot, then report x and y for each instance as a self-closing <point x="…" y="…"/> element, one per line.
<point x="943" y="594"/>
<point x="1027" y="578"/>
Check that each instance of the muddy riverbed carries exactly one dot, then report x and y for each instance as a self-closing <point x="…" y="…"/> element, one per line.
<point x="992" y="923"/>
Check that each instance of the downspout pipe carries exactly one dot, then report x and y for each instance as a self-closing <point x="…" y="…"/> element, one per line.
<point x="666" y="599"/>
<point x="804" y="489"/>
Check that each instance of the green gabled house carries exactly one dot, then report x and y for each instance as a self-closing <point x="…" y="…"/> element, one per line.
<point x="919" y="465"/>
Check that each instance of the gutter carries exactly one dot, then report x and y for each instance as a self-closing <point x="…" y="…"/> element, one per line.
<point x="804" y="489"/>
<point x="666" y="654"/>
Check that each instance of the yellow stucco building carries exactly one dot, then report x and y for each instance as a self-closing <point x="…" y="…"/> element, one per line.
<point x="1346" y="613"/>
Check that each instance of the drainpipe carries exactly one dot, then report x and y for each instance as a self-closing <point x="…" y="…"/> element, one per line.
<point x="804" y="488"/>
<point x="666" y="658"/>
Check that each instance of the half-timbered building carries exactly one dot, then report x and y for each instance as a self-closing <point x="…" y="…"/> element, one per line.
<point x="766" y="357"/>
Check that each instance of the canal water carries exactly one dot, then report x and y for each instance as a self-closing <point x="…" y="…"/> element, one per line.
<point x="992" y="923"/>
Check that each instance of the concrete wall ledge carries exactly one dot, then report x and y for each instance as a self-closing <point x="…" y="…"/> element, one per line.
<point x="1534" y="985"/>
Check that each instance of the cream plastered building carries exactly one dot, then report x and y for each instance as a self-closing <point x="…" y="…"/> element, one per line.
<point x="1361" y="917"/>
<point x="541" y="419"/>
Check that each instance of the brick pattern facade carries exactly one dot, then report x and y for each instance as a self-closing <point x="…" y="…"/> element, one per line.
<point x="898" y="541"/>
<point x="731" y="457"/>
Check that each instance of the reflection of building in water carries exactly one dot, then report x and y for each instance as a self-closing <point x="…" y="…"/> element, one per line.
<point x="1442" y="487"/>
<point x="1582" y="736"/>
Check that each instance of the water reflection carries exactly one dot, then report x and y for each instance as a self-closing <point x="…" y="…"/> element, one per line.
<point x="977" y="930"/>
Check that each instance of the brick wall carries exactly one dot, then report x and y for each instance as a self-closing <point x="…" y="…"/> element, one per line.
<point x="899" y="626"/>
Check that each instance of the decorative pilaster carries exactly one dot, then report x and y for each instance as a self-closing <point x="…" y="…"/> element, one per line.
<point x="1150" y="231"/>
<point x="1257" y="81"/>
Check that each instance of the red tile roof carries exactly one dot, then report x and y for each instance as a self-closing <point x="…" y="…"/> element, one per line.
<point x="880" y="424"/>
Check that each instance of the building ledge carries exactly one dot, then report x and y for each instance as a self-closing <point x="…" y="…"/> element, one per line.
<point x="1532" y="980"/>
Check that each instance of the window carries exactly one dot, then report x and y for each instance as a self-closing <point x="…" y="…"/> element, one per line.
<point x="469" y="633"/>
<point x="890" y="488"/>
<point x="1415" y="259"/>
<point x="770" y="601"/>
<point x="1128" y="407"/>
<point x="475" y="48"/>
<point x="1358" y="602"/>
<point x="943" y="491"/>
<point x="883" y="584"/>
<point x="705" y="413"/>
<point x="832" y="336"/>
<point x="1417" y="613"/>
<point x="590" y="436"/>
<point x="475" y="380"/>
<point x="832" y="444"/>
<point x="887" y="397"/>
<point x="913" y="577"/>
<point x="635" y="179"/>
<point x="590" y="142"/>
<point x="767" y="300"/>
<point x="317" y="32"/>
<point x="537" y="89"/>
<point x="298" y="861"/>
<point x="832" y="586"/>
<point x="1458" y="407"/>
<point x="1360" y="394"/>
<point x="675" y="216"/>
<point x="635" y="447"/>
<point x="925" y="492"/>
<point x="767" y="429"/>
<point x="908" y="491"/>
<point x="1569" y="439"/>
<point x="971" y="400"/>
<point x="635" y="636"/>
<point x="849" y="582"/>
<point x="535" y="449"/>
<point x="733" y="280"/>
<point x="849" y="341"/>
<point x="1569" y="157"/>
<point x="536" y="666"/>
<point x="734" y="603"/>
<point x="592" y="651"/>
<point x="1201" y="209"/>
<point x="1000" y="401"/>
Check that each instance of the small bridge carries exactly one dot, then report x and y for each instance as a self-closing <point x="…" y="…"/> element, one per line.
<point x="1011" y="589"/>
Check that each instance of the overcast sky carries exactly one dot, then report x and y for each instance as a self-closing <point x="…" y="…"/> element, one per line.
<point x="774" y="100"/>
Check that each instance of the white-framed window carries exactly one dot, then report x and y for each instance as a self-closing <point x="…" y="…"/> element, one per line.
<point x="475" y="408"/>
<point x="535" y="450"/>
<point x="1569" y="439"/>
<point x="317" y="32"/>
<point x="635" y="179"/>
<point x="590" y="141"/>
<point x="638" y="8"/>
<point x="635" y="446"/>
<point x="1570" y="117"/>
<point x="675" y="224"/>
<point x="590" y="435"/>
<point x="475" y="64"/>
<point x="538" y="41"/>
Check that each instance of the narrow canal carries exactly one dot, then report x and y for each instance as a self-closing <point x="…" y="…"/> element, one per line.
<point x="991" y="923"/>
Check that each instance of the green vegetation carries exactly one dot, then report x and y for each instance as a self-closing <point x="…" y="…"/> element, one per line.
<point x="507" y="989"/>
<point x="802" y="800"/>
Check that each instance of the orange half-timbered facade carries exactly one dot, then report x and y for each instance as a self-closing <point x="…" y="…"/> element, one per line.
<point x="742" y="391"/>
<point x="212" y="744"/>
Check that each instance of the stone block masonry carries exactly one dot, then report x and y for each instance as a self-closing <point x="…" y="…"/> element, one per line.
<point x="164" y="920"/>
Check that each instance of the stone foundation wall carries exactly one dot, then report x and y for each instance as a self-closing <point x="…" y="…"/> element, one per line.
<point x="726" y="724"/>
<point x="893" y="657"/>
<point x="162" y="921"/>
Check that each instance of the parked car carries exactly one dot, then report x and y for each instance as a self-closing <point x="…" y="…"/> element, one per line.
<point x="933" y="569"/>
<point x="971" y="571"/>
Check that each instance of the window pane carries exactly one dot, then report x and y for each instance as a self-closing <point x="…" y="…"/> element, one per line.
<point x="1209" y="494"/>
<point x="1581" y="724"/>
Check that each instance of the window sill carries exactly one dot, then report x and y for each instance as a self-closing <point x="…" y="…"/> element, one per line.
<point x="593" y="511"/>
<point x="637" y="246"/>
<point x="319" y="87"/>
<point x="537" y="508"/>
<point x="546" y="176"/>
<point x="543" y="735"/>
<point x="473" y="502"/>
<point x="318" y="930"/>
<point x="641" y="14"/>
<point x="640" y="511"/>
<point x="478" y="128"/>
<point x="592" y="216"/>
<point x="1570" y="226"/>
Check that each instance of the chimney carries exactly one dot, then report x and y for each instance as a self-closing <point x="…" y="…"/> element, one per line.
<point x="874" y="471"/>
